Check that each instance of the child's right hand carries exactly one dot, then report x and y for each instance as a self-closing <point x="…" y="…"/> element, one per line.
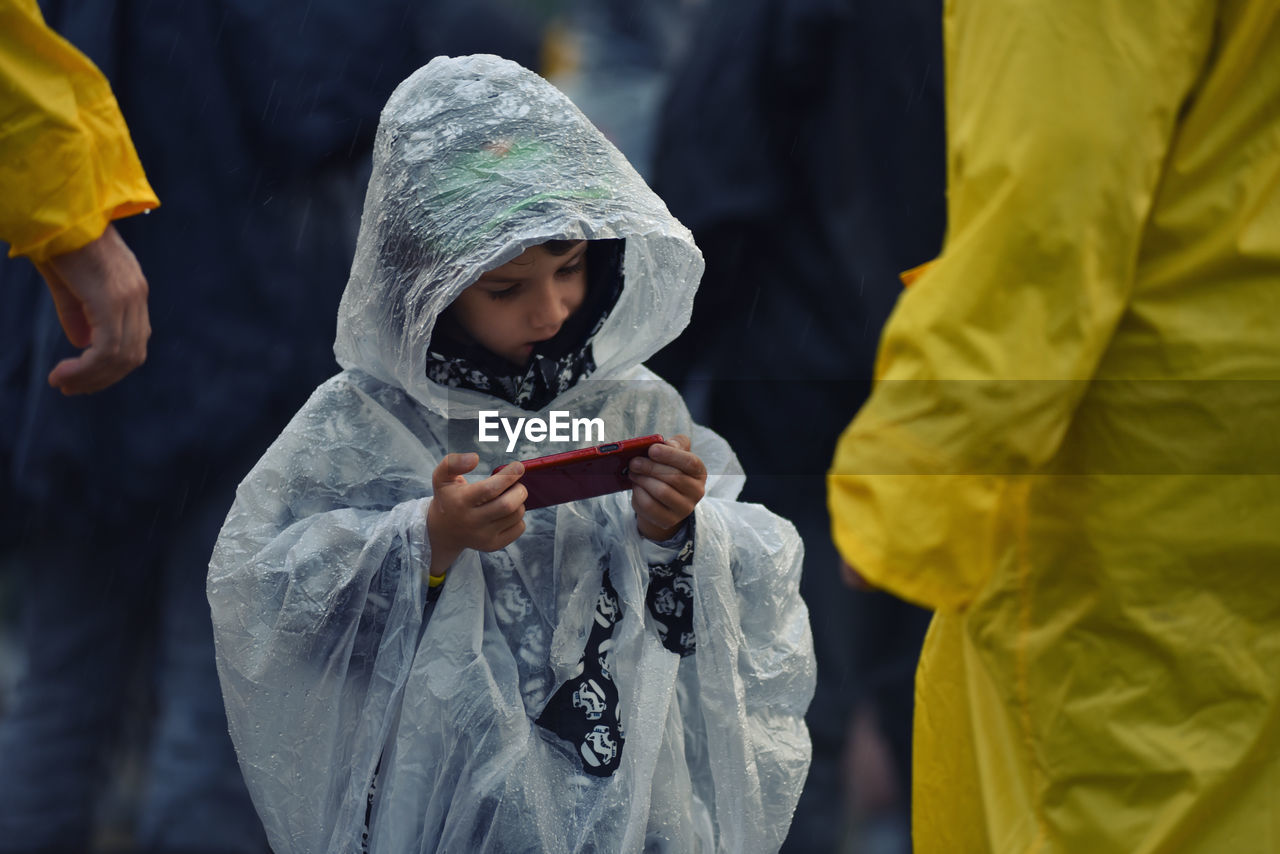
<point x="486" y="515"/>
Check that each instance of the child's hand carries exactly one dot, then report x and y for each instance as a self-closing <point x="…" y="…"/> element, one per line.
<point x="669" y="482"/>
<point x="486" y="515"/>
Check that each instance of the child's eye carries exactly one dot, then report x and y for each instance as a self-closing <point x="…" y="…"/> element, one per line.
<point x="505" y="293"/>
<point x="573" y="268"/>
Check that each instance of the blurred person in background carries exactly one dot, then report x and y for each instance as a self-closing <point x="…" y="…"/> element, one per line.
<point x="613" y="59"/>
<point x="255" y="121"/>
<point x="802" y="142"/>
<point x="1072" y="451"/>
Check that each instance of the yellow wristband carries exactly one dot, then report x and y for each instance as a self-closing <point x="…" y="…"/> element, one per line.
<point x="435" y="580"/>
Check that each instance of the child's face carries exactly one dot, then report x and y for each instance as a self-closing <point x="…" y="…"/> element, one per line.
<point x="513" y="307"/>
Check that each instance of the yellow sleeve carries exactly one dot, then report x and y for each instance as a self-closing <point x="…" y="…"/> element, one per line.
<point x="1059" y="117"/>
<point x="67" y="164"/>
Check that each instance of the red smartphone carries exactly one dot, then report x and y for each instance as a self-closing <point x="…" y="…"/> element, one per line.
<point x="584" y="473"/>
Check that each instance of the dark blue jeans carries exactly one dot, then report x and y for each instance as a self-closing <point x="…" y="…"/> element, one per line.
<point x="91" y="607"/>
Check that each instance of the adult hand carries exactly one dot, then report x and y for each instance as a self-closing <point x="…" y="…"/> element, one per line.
<point x="487" y="515"/>
<point x="101" y="298"/>
<point x="669" y="483"/>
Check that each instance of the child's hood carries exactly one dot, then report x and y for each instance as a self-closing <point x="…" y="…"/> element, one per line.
<point x="475" y="160"/>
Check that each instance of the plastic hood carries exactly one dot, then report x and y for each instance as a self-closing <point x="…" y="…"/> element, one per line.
<point x="476" y="159"/>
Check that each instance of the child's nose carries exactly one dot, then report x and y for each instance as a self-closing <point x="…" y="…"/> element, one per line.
<point x="550" y="310"/>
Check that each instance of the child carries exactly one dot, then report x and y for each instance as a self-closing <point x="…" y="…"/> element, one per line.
<point x="412" y="661"/>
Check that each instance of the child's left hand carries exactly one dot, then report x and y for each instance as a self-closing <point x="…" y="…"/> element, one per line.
<point x="669" y="482"/>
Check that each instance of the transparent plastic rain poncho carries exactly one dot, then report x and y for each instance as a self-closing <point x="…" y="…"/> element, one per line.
<point x="333" y="663"/>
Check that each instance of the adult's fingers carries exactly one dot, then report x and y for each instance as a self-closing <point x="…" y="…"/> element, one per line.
<point x="100" y="295"/>
<point x="138" y="329"/>
<point x="93" y="370"/>
<point x="70" y="311"/>
<point x="119" y="345"/>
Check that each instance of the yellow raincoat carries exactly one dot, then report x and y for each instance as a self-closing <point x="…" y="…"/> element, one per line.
<point x="1073" y="448"/>
<point x="67" y="164"/>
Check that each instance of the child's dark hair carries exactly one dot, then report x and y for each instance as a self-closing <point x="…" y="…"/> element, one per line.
<point x="560" y="247"/>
